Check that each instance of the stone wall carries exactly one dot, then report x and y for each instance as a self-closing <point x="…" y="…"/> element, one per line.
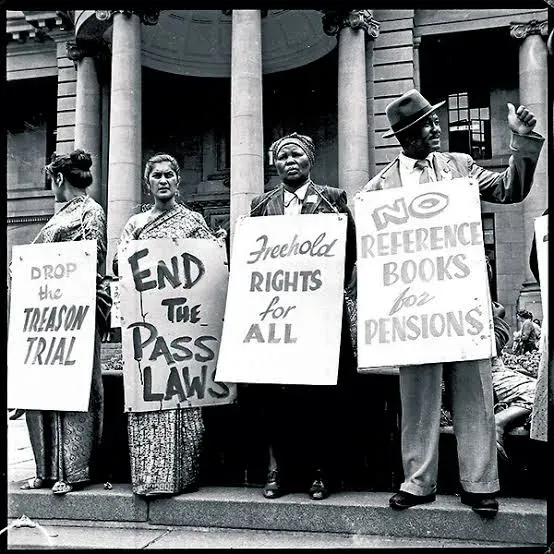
<point x="67" y="83"/>
<point x="393" y="60"/>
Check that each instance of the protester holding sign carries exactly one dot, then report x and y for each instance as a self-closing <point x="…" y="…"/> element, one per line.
<point x="416" y="126"/>
<point x="165" y="445"/>
<point x="64" y="442"/>
<point x="312" y="410"/>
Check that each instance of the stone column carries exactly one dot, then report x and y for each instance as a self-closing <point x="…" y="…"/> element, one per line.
<point x="370" y="94"/>
<point x="533" y="79"/>
<point x="88" y="114"/>
<point x="125" y="148"/>
<point x="351" y="28"/>
<point x="247" y="149"/>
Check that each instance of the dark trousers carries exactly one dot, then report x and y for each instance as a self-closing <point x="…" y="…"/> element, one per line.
<point x="304" y="424"/>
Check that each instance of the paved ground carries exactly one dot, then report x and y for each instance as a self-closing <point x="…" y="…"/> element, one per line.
<point x="51" y="535"/>
<point x="57" y="534"/>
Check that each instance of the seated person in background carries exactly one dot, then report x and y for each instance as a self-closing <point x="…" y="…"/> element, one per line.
<point x="537" y="325"/>
<point x="514" y="392"/>
<point x="529" y="335"/>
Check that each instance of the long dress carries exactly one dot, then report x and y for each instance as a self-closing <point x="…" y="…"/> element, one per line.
<point x="165" y="445"/>
<point x="65" y="443"/>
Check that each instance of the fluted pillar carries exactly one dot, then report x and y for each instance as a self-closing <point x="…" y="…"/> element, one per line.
<point x="88" y="116"/>
<point x="125" y="148"/>
<point x="351" y="27"/>
<point x="370" y="94"/>
<point x="533" y="79"/>
<point x="247" y="155"/>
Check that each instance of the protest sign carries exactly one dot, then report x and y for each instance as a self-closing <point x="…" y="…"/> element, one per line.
<point x="541" y="240"/>
<point x="172" y="300"/>
<point x="52" y="326"/>
<point x="284" y="305"/>
<point x="422" y="279"/>
<point x="115" y="313"/>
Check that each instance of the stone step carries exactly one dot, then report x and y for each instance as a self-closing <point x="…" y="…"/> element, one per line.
<point x="519" y="521"/>
<point x="76" y="535"/>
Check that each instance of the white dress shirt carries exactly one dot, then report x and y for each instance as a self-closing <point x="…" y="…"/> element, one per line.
<point x="409" y="174"/>
<point x="292" y="201"/>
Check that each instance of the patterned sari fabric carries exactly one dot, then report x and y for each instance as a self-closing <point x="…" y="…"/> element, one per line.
<point x="165" y="445"/>
<point x="64" y="443"/>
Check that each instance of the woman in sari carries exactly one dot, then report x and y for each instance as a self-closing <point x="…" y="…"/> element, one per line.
<point x="64" y="443"/>
<point x="165" y="445"/>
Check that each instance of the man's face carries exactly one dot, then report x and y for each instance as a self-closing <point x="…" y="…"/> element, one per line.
<point x="424" y="138"/>
<point x="293" y="165"/>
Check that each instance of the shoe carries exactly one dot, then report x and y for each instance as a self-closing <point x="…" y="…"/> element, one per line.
<point x="485" y="504"/>
<point x="33" y="483"/>
<point x="402" y="500"/>
<point x="273" y="487"/>
<point x="61" y="487"/>
<point x="320" y="488"/>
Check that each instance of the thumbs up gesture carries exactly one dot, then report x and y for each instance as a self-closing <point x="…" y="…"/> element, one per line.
<point x="520" y="121"/>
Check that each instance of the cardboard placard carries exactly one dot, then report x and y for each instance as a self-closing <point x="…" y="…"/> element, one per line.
<point x="52" y="326"/>
<point x="284" y="306"/>
<point x="423" y="293"/>
<point x="172" y="300"/>
<point x="115" y="313"/>
<point x="541" y="240"/>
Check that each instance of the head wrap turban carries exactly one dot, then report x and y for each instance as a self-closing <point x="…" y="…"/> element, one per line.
<point x="302" y="141"/>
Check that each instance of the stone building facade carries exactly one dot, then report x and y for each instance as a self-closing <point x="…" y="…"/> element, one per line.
<point x="215" y="88"/>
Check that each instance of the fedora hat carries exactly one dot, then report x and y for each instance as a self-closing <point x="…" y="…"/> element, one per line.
<point x="408" y="109"/>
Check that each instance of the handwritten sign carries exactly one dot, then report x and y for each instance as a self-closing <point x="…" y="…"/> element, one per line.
<point x="172" y="301"/>
<point x="284" y="306"/>
<point x="52" y="326"/>
<point x="422" y="279"/>
<point x="541" y="240"/>
<point x="115" y="313"/>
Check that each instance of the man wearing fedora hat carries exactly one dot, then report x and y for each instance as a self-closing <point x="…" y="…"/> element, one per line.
<point x="415" y="124"/>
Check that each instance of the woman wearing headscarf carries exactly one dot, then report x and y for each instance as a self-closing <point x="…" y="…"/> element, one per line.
<point x="313" y="411"/>
<point x="165" y="445"/>
<point x="64" y="442"/>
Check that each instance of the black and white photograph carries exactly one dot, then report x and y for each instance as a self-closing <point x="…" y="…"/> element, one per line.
<point x="172" y="383"/>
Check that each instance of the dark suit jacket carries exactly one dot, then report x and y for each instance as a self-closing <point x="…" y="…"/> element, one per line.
<point x="533" y="261"/>
<point x="508" y="187"/>
<point x="328" y="200"/>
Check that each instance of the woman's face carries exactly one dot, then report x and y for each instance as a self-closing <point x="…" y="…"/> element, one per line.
<point x="163" y="181"/>
<point x="292" y="164"/>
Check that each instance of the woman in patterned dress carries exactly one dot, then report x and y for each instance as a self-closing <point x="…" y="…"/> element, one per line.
<point x="64" y="442"/>
<point x="165" y="445"/>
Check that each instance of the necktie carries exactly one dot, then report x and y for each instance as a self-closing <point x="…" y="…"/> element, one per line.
<point x="424" y="165"/>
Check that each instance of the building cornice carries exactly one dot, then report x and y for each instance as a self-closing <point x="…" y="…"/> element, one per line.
<point x="18" y="219"/>
<point x="36" y="25"/>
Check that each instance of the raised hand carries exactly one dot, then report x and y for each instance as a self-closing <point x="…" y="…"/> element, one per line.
<point x="521" y="121"/>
